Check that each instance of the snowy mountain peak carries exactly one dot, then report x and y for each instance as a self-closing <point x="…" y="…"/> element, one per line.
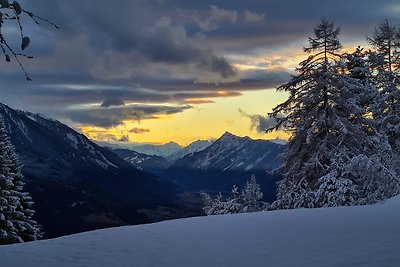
<point x="37" y="117"/>
<point x="229" y="140"/>
<point x="231" y="136"/>
<point x="172" y="143"/>
<point x="228" y="135"/>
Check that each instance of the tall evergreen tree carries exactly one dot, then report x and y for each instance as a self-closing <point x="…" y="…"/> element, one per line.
<point x="385" y="41"/>
<point x="385" y="62"/>
<point x="7" y="230"/>
<point x="16" y="223"/>
<point x="373" y="168"/>
<point x="325" y="113"/>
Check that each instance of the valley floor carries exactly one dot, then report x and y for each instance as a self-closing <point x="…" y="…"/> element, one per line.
<point x="346" y="236"/>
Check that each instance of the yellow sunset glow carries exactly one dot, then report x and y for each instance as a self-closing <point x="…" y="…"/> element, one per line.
<point x="205" y="121"/>
<point x="222" y="93"/>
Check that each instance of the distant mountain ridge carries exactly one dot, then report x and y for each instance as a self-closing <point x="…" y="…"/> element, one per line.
<point x="76" y="184"/>
<point x="191" y="148"/>
<point x="157" y="150"/>
<point x="153" y="163"/>
<point x="230" y="160"/>
<point x="149" y="163"/>
<point x="171" y="151"/>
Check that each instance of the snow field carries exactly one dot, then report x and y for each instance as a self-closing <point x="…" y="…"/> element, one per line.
<point x="345" y="236"/>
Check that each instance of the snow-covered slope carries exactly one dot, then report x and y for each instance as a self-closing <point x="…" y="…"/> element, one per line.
<point x="154" y="164"/>
<point x="367" y="236"/>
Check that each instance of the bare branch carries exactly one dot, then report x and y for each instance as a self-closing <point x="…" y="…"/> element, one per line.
<point x="12" y="12"/>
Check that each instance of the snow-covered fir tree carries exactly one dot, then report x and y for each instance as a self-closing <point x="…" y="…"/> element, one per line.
<point x="16" y="223"/>
<point x="326" y="114"/>
<point x="219" y="205"/>
<point x="385" y="63"/>
<point x="248" y="200"/>
<point x="375" y="168"/>
<point x="252" y="196"/>
<point x="385" y="41"/>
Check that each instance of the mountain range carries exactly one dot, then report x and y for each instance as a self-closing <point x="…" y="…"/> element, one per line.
<point x="230" y="160"/>
<point x="164" y="150"/>
<point x="161" y="150"/>
<point x="77" y="185"/>
<point x="156" y="163"/>
<point x="215" y="166"/>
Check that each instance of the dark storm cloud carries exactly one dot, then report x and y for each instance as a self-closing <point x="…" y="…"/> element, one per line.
<point x="215" y="16"/>
<point x="64" y="95"/>
<point x="249" y="80"/>
<point x="112" y="102"/>
<point x="73" y="95"/>
<point x="287" y="21"/>
<point x="136" y="29"/>
<point x="260" y="79"/>
<point x="109" y="117"/>
<point x="162" y="31"/>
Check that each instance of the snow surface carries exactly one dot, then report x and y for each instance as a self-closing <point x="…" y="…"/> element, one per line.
<point x="346" y="236"/>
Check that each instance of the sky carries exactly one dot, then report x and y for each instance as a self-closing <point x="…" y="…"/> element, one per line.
<point x="154" y="71"/>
